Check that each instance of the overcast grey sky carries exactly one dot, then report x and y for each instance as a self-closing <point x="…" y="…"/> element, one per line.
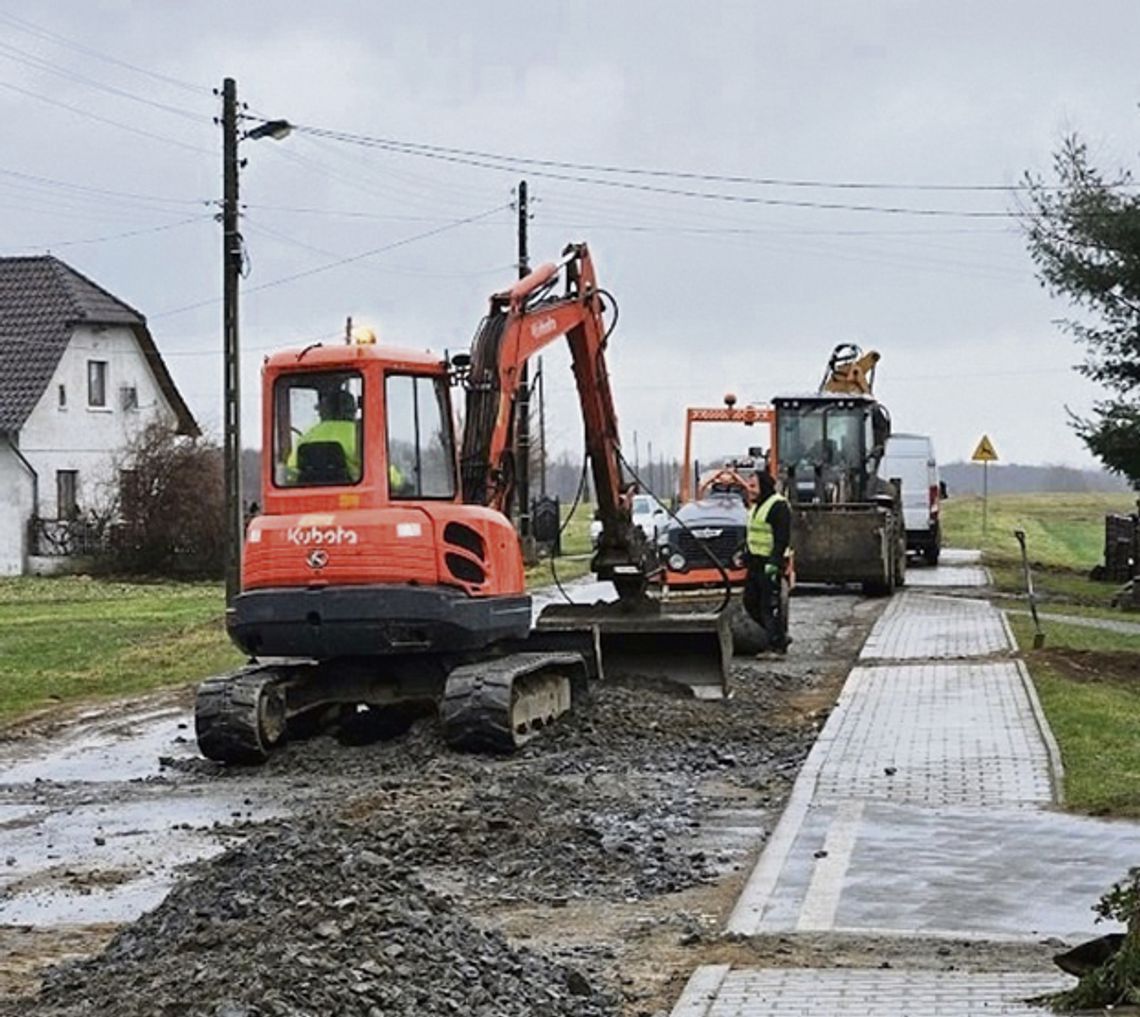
<point x="113" y="170"/>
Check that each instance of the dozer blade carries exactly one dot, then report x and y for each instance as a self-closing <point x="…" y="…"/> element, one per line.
<point x="650" y="644"/>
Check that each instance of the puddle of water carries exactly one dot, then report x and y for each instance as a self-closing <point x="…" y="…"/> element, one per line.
<point x="107" y="749"/>
<point x="585" y="590"/>
<point x="123" y="903"/>
<point x="110" y="860"/>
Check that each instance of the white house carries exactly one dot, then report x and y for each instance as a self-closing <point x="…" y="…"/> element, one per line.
<point x="79" y="376"/>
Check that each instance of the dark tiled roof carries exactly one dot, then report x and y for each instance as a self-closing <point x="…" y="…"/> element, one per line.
<point x="41" y="302"/>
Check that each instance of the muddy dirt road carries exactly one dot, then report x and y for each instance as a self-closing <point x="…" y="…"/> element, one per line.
<point x="395" y="876"/>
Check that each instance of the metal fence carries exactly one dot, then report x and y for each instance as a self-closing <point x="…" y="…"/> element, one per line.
<point x="61" y="538"/>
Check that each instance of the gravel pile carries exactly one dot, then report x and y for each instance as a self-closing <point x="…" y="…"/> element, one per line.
<point x="313" y="919"/>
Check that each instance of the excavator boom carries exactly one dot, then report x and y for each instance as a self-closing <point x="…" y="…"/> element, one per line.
<point x="521" y="322"/>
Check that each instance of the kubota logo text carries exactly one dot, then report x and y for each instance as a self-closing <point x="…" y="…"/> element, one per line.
<point x="331" y="535"/>
<point x="543" y="327"/>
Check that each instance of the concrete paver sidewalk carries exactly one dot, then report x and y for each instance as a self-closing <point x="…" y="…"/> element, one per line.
<point x="923" y="809"/>
<point x="919" y="626"/>
<point x="751" y="992"/>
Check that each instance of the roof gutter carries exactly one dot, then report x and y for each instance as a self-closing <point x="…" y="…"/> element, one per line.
<point x="31" y="471"/>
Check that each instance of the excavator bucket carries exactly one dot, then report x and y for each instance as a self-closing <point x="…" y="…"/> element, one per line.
<point x="648" y="644"/>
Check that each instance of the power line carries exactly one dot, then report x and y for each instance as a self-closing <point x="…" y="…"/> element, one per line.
<point x="504" y="165"/>
<point x="30" y="28"/>
<point x="403" y="242"/>
<point x="515" y="161"/>
<point x="260" y="227"/>
<point x="104" y="120"/>
<point x="128" y="233"/>
<point x="101" y="191"/>
<point x="38" y="63"/>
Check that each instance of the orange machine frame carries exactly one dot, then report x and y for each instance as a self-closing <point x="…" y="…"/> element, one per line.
<point x="729" y="413"/>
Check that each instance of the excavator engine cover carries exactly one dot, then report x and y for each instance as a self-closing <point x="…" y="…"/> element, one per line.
<point x="646" y="644"/>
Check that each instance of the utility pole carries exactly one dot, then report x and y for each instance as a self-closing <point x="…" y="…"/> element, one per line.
<point x="541" y="428"/>
<point x="234" y="520"/>
<point x="522" y="420"/>
<point x="231" y="408"/>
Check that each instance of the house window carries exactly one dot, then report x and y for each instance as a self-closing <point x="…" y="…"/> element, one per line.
<point x="66" y="494"/>
<point x="96" y="383"/>
<point x="63" y="397"/>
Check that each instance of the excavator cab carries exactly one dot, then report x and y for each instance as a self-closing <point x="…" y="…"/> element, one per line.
<point x="364" y="546"/>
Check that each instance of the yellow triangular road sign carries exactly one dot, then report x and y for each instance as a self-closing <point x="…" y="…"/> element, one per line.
<point x="985" y="452"/>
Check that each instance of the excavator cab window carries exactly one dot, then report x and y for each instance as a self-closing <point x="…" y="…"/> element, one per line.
<point x="421" y="446"/>
<point x="318" y="438"/>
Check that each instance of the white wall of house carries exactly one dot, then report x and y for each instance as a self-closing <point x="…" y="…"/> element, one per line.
<point x="16" y="487"/>
<point x="74" y="435"/>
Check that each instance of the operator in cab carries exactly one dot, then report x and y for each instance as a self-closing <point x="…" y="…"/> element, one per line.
<point x="769" y="533"/>
<point x="337" y="426"/>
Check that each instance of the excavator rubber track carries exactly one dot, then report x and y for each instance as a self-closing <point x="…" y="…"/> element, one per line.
<point x="240" y="718"/>
<point x="499" y="705"/>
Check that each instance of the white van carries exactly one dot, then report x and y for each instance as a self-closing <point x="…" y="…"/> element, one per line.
<point x="909" y="458"/>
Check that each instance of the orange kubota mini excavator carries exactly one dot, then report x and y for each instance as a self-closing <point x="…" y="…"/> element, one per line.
<point x="384" y="571"/>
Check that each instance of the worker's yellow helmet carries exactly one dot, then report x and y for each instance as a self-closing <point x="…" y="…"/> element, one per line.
<point x="363" y="336"/>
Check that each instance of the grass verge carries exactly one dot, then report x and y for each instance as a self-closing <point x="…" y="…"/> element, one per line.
<point x="71" y="639"/>
<point x="1089" y="684"/>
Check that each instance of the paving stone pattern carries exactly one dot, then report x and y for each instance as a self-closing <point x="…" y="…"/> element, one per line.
<point x="931" y="769"/>
<point x="960" y="556"/>
<point x="922" y="626"/>
<point x="951" y="576"/>
<point x="751" y="992"/>
<point x="957" y="734"/>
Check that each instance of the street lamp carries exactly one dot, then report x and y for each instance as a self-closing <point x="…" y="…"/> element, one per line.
<point x="231" y="275"/>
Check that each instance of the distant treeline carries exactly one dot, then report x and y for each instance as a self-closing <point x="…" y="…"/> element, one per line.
<point x="563" y="474"/>
<point x="1013" y="478"/>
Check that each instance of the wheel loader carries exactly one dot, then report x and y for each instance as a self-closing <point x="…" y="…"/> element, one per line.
<point x="383" y="571"/>
<point x="847" y="523"/>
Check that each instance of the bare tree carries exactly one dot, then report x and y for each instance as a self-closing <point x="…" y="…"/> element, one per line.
<point x="169" y="506"/>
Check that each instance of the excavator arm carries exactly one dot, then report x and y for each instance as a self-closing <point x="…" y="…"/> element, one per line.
<point x="850" y="371"/>
<point x="522" y="321"/>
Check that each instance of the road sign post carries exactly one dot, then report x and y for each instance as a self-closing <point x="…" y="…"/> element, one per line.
<point x="985" y="453"/>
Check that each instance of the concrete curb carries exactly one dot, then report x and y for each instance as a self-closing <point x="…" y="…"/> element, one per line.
<point x="749" y="909"/>
<point x="700" y="991"/>
<point x="1056" y="765"/>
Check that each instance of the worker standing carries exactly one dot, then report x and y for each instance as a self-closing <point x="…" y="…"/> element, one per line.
<point x="769" y="533"/>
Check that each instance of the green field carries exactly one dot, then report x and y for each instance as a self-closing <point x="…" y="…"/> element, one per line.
<point x="1088" y="679"/>
<point x="1061" y="530"/>
<point x="73" y="638"/>
<point x="576" y="550"/>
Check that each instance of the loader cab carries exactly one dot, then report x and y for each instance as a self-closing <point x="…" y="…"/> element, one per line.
<point x="828" y="447"/>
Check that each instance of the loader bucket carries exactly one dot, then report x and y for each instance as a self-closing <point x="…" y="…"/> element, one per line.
<point x="842" y="543"/>
<point x="647" y="644"/>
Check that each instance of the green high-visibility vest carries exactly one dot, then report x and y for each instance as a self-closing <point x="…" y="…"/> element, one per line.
<point x="343" y="432"/>
<point x="759" y="532"/>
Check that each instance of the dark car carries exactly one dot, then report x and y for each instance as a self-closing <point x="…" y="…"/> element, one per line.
<point x="714" y="532"/>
